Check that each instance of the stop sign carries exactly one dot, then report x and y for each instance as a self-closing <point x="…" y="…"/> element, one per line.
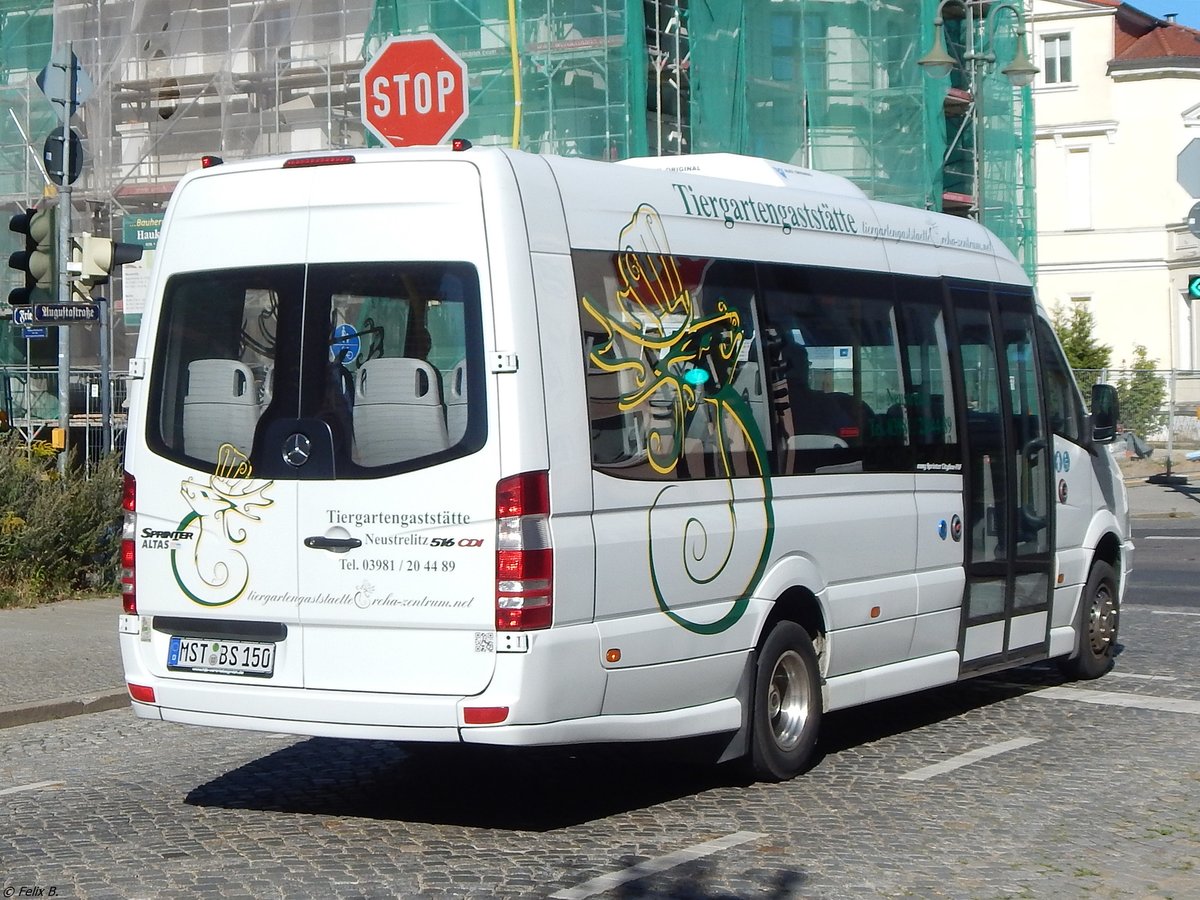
<point x="414" y="91"/>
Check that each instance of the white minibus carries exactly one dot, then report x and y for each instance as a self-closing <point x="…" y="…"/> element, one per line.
<point x="472" y="445"/>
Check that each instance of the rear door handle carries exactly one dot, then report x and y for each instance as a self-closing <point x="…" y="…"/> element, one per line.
<point x="337" y="545"/>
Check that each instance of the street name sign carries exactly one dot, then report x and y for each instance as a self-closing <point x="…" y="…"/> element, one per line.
<point x="66" y="313"/>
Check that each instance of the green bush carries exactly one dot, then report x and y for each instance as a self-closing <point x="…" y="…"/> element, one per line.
<point x="1142" y="394"/>
<point x="1086" y="356"/>
<point x="60" y="535"/>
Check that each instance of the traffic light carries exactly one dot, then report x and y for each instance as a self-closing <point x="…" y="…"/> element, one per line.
<point x="37" y="261"/>
<point x="1193" y="287"/>
<point x="93" y="259"/>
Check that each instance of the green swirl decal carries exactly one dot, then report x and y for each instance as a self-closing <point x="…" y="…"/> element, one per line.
<point x="675" y="356"/>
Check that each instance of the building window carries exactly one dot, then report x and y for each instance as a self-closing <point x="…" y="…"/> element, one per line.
<point x="1078" y="189"/>
<point x="783" y="47"/>
<point x="1056" y="58"/>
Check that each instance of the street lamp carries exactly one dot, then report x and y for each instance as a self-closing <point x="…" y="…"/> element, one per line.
<point x="938" y="63"/>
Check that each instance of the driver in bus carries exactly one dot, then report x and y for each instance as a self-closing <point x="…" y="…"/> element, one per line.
<point x="813" y="411"/>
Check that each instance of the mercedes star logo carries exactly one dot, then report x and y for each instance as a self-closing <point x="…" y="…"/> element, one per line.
<point x="296" y="450"/>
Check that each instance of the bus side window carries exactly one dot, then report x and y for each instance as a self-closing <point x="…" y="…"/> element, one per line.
<point x="674" y="382"/>
<point x="929" y="419"/>
<point x="1062" y="395"/>
<point x="839" y="371"/>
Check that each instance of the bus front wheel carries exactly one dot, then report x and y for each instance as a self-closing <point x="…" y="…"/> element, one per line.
<point x="787" y="704"/>
<point x="1096" y="627"/>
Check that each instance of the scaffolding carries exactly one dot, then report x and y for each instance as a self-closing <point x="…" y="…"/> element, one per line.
<point x="831" y="84"/>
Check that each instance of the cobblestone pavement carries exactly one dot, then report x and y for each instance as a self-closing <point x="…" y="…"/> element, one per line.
<point x="1102" y="801"/>
<point x="1093" y="799"/>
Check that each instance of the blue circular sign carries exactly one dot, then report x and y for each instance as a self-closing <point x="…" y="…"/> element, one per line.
<point x="345" y="344"/>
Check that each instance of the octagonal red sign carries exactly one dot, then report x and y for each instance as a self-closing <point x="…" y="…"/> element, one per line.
<point x="414" y="91"/>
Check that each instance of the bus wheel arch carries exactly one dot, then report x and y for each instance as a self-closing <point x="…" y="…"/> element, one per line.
<point x="799" y="605"/>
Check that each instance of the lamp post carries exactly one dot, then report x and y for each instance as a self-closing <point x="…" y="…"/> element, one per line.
<point x="978" y="60"/>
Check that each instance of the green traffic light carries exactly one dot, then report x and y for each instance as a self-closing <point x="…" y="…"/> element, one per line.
<point x="1193" y="287"/>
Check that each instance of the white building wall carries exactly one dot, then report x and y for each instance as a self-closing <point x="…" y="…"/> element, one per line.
<point x="1111" y="214"/>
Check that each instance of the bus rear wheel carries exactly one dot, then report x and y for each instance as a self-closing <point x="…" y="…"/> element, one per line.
<point x="1096" y="627"/>
<point x="787" y="704"/>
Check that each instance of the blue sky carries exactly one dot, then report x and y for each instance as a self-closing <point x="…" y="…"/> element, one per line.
<point x="1188" y="10"/>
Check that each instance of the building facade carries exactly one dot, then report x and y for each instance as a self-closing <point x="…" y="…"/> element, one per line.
<point x="1117" y="105"/>
<point x="832" y="84"/>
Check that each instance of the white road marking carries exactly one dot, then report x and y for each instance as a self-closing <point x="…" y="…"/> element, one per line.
<point x="1112" y="698"/>
<point x="602" y="883"/>
<point x="1173" y="612"/>
<point x="965" y="759"/>
<point x="36" y="786"/>
<point x="1140" y="677"/>
<point x="1171" y="537"/>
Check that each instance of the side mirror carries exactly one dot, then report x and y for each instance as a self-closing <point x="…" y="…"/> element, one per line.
<point x="1105" y="412"/>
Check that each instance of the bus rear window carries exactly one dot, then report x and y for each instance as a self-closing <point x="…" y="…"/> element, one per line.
<point x="388" y="355"/>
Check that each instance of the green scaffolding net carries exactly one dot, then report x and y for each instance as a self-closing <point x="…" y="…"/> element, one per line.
<point x="833" y="86"/>
<point x="26" y="31"/>
<point x="830" y="84"/>
<point x="580" y="78"/>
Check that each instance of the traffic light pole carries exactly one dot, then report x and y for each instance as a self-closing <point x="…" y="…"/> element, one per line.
<point x="105" y="377"/>
<point x="65" y="62"/>
<point x="64" y="296"/>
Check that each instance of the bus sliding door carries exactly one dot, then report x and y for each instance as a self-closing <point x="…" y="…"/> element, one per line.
<point x="1009" y="524"/>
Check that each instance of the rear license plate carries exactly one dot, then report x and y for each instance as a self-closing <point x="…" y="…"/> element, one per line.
<point x="187" y="654"/>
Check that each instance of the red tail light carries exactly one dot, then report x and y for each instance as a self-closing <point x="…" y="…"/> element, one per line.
<point x="524" y="556"/>
<point x="141" y="693"/>
<point x="129" y="545"/>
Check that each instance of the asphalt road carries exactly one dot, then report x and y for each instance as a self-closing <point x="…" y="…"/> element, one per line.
<point x="1167" y="557"/>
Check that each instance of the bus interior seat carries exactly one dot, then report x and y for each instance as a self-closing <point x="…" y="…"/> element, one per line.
<point x="398" y="412"/>
<point x="892" y="427"/>
<point x="219" y="407"/>
<point x="618" y="436"/>
<point x="749" y="387"/>
<point x="816" y="442"/>
<point x="455" y="392"/>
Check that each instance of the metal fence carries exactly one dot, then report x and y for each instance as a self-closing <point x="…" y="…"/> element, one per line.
<point x="1159" y="416"/>
<point x="30" y="403"/>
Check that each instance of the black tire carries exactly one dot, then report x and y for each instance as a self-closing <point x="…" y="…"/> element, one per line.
<point x="1096" y="625"/>
<point x="787" y="705"/>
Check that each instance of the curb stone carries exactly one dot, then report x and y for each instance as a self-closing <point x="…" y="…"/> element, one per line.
<point x="61" y="708"/>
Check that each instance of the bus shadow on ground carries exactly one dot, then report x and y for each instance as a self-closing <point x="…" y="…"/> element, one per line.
<point x="543" y="789"/>
<point x="846" y="729"/>
<point x="702" y="879"/>
<point x="482" y="787"/>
